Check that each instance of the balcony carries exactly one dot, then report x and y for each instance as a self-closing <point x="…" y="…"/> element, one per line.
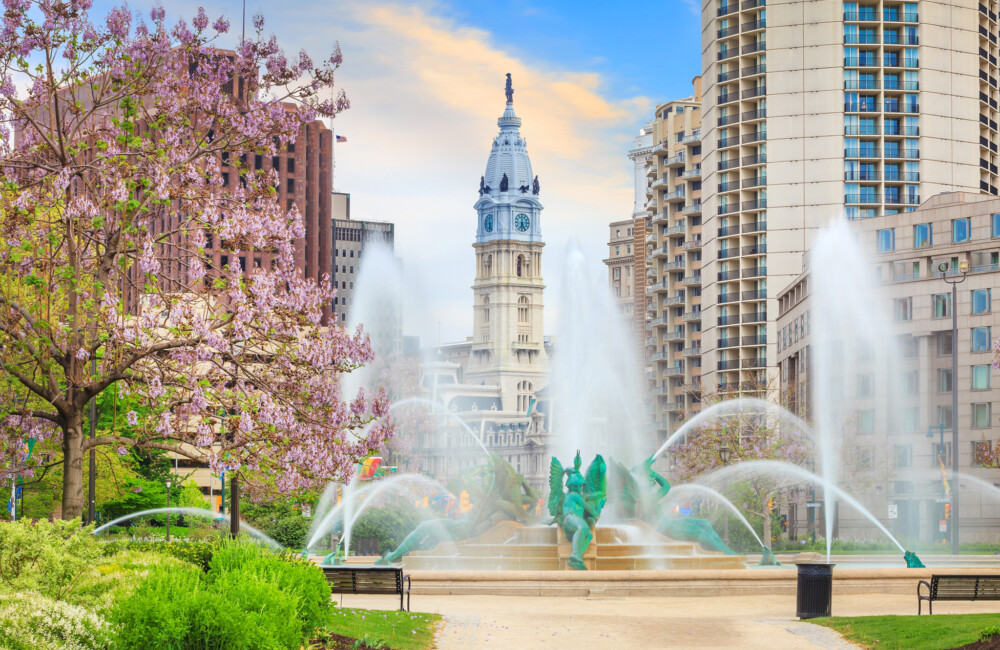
<point x="730" y="186"/>
<point x="676" y="265"/>
<point x="868" y="198"/>
<point x="661" y="252"/>
<point x="755" y="272"/>
<point x="862" y="15"/>
<point x="755" y="294"/>
<point x="902" y="153"/>
<point x="755" y="249"/>
<point x="676" y="229"/>
<point x="863" y="152"/>
<point x="660" y="217"/>
<point x="869" y="175"/>
<point x="756" y="136"/>
<point x="691" y="280"/>
<point x="676" y="194"/>
<point x="752" y="4"/>
<point x="657" y="356"/>
<point x="756" y="226"/>
<point x="756" y="204"/>
<point x="694" y="172"/>
<point x="692" y="315"/>
<point x="728" y="209"/>
<point x="733" y="364"/>
<point x="674" y="160"/>
<point x="729" y="76"/>
<point x="675" y="335"/>
<point x="860" y="62"/>
<point x="729" y="231"/>
<point x="673" y="407"/>
<point x="660" y="182"/>
<point x="728" y="164"/>
<point x="726" y="253"/>
<point x="756" y="317"/>
<point x="753" y="116"/>
<point x="728" y="275"/>
<point x="729" y="119"/>
<point x="756" y="91"/>
<point x="727" y="53"/>
<point x="725" y="10"/>
<point x="728" y="31"/>
<point x="729" y="320"/>
<point x="692" y="244"/>
<point x="759" y="46"/>
<point x="755" y="340"/>
<point x="693" y="351"/>
<point x="693" y="208"/>
<point x="861" y="84"/>
<point x="725" y="298"/>
<point x="694" y="136"/>
<point x="759" y="159"/>
<point x="754" y="181"/>
<point x="728" y="343"/>
<point x="673" y="300"/>
<point x="753" y="363"/>
<point x="753" y="26"/>
<point x="728" y="97"/>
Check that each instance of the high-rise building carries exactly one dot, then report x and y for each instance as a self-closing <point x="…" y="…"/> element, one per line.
<point x="672" y="282"/>
<point x="350" y="239"/>
<point x="620" y="263"/>
<point x="903" y="422"/>
<point x="644" y="171"/>
<point x="819" y="110"/>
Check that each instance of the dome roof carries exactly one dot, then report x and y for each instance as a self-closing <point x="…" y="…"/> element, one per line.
<point x="509" y="155"/>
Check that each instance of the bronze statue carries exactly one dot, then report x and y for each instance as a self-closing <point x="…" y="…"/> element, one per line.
<point x="482" y="185"/>
<point x="535" y="187"/>
<point x="577" y="509"/>
<point x="509" y="90"/>
<point x="504" y="183"/>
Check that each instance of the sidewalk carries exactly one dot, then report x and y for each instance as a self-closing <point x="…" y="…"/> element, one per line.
<point x="751" y="622"/>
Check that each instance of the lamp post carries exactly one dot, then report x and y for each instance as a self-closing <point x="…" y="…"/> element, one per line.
<point x="168" y="483"/>
<point x="963" y="268"/>
<point x="725" y="453"/>
<point x="930" y="434"/>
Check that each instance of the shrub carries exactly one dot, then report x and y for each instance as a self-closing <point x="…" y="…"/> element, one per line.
<point x="46" y="557"/>
<point x="990" y="633"/>
<point x="30" y="621"/>
<point x="289" y="531"/>
<point x="291" y="574"/>
<point x="388" y="525"/>
<point x="198" y="553"/>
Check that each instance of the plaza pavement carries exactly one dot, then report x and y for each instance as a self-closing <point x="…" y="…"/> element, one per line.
<point x="581" y="623"/>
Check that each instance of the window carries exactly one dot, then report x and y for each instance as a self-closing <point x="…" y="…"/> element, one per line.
<point x="944" y="380"/>
<point x="981" y="416"/>
<point x="902" y="455"/>
<point x="981" y="377"/>
<point x="903" y="308"/>
<point x="866" y="385"/>
<point x="886" y="240"/>
<point x="944" y="416"/>
<point x="981" y="339"/>
<point x="866" y="421"/>
<point x="911" y="419"/>
<point x="522" y="309"/>
<point x="908" y="346"/>
<point x="911" y="382"/>
<point x="995" y="225"/>
<point x="944" y="344"/>
<point x="922" y="235"/>
<point x="941" y="305"/>
<point x="486" y="309"/>
<point x="961" y="230"/>
<point x="981" y="301"/>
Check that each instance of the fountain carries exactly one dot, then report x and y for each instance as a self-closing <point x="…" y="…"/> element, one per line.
<point x="195" y="512"/>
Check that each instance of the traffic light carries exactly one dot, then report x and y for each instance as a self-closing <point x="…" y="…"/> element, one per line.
<point x="770" y="504"/>
<point x="947" y="511"/>
<point x="784" y="523"/>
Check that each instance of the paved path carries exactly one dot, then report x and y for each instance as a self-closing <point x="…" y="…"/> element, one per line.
<point x="750" y="622"/>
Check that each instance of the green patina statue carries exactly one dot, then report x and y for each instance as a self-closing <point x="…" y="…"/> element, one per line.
<point x="497" y="492"/>
<point x="642" y="501"/>
<point x="577" y="509"/>
<point x="912" y="561"/>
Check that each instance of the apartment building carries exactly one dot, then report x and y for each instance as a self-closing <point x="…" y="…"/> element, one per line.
<point x="350" y="238"/>
<point x="641" y="155"/>
<point x="621" y="263"/>
<point x="673" y="262"/>
<point x="819" y="109"/>
<point x="902" y="446"/>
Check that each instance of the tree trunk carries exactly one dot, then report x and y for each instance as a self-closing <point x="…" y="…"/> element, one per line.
<point x="766" y="517"/>
<point x="72" y="498"/>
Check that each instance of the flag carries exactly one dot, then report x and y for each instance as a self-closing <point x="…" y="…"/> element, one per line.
<point x="341" y="138"/>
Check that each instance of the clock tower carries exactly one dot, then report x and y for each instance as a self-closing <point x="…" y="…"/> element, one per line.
<point x="508" y="347"/>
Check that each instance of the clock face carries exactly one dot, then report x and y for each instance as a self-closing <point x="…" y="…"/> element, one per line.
<point x="488" y="223"/>
<point x="521" y="222"/>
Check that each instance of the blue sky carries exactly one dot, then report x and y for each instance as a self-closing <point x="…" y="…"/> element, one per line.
<point x="425" y="80"/>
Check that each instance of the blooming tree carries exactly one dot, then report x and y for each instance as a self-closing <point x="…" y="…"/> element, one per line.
<point x="749" y="434"/>
<point x="114" y="137"/>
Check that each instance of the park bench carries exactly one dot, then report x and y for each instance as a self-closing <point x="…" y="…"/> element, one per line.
<point x="961" y="587"/>
<point x="369" y="580"/>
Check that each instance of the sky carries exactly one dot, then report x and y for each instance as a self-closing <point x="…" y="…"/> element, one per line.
<point x="425" y="81"/>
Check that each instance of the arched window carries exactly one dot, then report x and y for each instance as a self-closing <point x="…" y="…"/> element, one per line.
<point x="488" y="266"/>
<point x="520" y="265"/>
<point x="486" y="309"/>
<point x="522" y="309"/>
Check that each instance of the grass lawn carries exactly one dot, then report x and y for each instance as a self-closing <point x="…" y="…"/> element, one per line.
<point x="938" y="632"/>
<point x="395" y="629"/>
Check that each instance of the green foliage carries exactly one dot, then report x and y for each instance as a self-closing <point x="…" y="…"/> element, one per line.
<point x="388" y="524"/>
<point x="30" y="621"/>
<point x="281" y="520"/>
<point x="198" y="553"/>
<point x="392" y="629"/>
<point x="911" y="632"/>
<point x="250" y="598"/>
<point x="139" y="494"/>
<point x="989" y="633"/>
<point x="46" y="557"/>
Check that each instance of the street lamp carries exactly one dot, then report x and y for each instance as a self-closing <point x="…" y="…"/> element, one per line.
<point x="963" y="268"/>
<point x="930" y="434"/>
<point x="725" y="453"/>
<point x="169" y="482"/>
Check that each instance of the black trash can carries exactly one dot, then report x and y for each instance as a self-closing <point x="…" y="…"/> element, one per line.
<point x="815" y="590"/>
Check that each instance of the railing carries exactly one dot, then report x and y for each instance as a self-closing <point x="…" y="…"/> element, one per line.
<point x="754" y="294"/>
<point x="756" y="204"/>
<point x="727" y="231"/>
<point x="728" y="164"/>
<point x="728" y="343"/>
<point x="754" y="181"/>
<point x="728" y="97"/>
<point x="862" y="175"/>
<point x="728" y="275"/>
<point x="756" y="136"/>
<point x="753" y="70"/>
<point x="729" y="76"/>
<point x="864" y="152"/>
<point x="757" y="317"/>
<point x="729" y="320"/>
<point x="755" y="226"/>
<point x="759" y="46"/>
<point x="755" y="340"/>
<point x="866" y="198"/>
<point x="755" y="272"/>
<point x="756" y="91"/>
<point x="729" y="365"/>
<point x="759" y="159"/>
<point x="755" y="249"/>
<point x="729" y="186"/>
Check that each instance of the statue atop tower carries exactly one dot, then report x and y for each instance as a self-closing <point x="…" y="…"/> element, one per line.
<point x="509" y="90"/>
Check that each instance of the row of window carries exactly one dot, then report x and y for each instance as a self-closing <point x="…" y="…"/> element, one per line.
<point x="923" y="233"/>
<point x="941" y="305"/>
<point x="980" y="417"/>
<point x="902" y="456"/>
<point x="909" y="382"/>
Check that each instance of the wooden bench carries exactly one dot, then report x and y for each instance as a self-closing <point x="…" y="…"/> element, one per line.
<point x="960" y="587"/>
<point x="369" y="580"/>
